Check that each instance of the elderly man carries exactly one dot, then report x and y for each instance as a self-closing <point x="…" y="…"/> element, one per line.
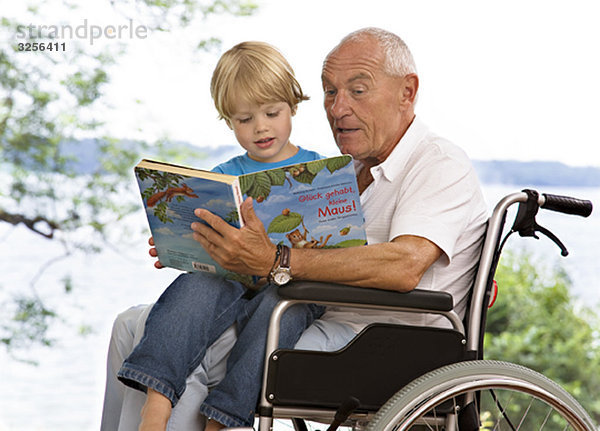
<point x="424" y="210"/>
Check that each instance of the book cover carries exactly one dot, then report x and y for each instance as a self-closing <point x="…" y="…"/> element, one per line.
<point x="314" y="204"/>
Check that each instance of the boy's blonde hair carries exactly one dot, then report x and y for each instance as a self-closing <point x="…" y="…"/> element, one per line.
<point x="254" y="72"/>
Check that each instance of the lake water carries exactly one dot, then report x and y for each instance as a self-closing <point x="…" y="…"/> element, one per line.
<point x="65" y="391"/>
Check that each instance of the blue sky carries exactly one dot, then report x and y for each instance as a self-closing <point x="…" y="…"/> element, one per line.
<point x="503" y="79"/>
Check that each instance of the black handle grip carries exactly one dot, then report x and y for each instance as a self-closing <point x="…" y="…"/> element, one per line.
<point x="567" y="205"/>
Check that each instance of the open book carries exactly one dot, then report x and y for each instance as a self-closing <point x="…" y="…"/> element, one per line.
<point x="314" y="204"/>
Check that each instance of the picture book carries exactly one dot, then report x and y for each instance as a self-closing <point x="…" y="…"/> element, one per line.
<point x="314" y="204"/>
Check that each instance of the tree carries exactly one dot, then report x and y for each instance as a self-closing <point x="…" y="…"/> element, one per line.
<point x="49" y="99"/>
<point x="537" y="323"/>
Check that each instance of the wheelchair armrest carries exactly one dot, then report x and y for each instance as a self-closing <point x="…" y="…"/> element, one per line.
<point x="339" y="293"/>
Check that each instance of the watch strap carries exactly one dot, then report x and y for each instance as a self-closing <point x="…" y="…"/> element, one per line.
<point x="277" y="254"/>
<point x="284" y="261"/>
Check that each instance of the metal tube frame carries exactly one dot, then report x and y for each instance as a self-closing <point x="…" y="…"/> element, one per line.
<point x="494" y="230"/>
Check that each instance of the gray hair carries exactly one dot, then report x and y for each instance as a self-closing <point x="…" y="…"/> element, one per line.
<point x="398" y="58"/>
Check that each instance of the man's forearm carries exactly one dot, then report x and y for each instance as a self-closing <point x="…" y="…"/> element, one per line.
<point x="397" y="265"/>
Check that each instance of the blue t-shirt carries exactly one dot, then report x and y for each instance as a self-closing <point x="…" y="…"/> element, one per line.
<point x="243" y="164"/>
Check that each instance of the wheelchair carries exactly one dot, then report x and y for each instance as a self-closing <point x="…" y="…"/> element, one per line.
<point x="399" y="377"/>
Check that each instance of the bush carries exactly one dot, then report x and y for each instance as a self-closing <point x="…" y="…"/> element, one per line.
<point x="536" y="322"/>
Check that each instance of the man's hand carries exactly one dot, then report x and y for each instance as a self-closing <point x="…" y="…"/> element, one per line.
<point x="153" y="253"/>
<point x="246" y="251"/>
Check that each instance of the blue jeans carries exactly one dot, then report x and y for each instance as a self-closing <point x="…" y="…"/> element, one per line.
<point x="188" y="317"/>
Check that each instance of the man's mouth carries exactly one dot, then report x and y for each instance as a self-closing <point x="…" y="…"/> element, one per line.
<point x="344" y="130"/>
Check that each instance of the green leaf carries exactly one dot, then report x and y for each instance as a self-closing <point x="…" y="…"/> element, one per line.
<point x="305" y="177"/>
<point x="316" y="166"/>
<point x="337" y="163"/>
<point x="246" y="183"/>
<point x="257" y="185"/>
<point x="351" y="243"/>
<point x="277" y="176"/>
<point x="285" y="223"/>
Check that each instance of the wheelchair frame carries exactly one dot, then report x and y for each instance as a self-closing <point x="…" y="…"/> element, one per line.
<point x="416" y="301"/>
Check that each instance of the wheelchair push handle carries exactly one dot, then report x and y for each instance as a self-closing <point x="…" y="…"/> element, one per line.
<point x="526" y="224"/>
<point x="567" y="205"/>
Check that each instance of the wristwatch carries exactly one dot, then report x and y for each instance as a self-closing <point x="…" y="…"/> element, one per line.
<point x="282" y="274"/>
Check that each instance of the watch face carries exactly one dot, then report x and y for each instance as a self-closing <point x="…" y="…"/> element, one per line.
<point x="281" y="277"/>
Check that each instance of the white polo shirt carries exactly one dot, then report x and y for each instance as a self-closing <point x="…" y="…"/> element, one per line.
<point x="427" y="187"/>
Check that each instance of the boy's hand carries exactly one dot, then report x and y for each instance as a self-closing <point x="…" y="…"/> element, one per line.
<point x="246" y="251"/>
<point x="153" y="253"/>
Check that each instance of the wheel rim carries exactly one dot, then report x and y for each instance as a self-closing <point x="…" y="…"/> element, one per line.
<point x="429" y="400"/>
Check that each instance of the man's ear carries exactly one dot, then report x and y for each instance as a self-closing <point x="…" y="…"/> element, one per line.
<point x="410" y="87"/>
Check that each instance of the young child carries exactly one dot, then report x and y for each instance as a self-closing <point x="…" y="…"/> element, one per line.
<point x="256" y="93"/>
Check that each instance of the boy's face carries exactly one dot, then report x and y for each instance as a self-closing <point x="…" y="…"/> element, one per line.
<point x="264" y="130"/>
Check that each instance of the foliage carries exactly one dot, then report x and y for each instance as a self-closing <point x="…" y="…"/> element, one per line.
<point x="50" y="103"/>
<point x="29" y="323"/>
<point x="537" y="323"/>
<point x="258" y="185"/>
<point x="161" y="181"/>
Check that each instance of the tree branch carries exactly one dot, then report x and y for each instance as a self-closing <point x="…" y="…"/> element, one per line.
<point x="31" y="223"/>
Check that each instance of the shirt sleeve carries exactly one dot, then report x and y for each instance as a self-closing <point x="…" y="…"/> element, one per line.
<point x="436" y="201"/>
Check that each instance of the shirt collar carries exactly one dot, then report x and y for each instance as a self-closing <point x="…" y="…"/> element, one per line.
<point x="395" y="163"/>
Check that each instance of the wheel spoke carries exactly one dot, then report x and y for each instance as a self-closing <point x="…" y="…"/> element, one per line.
<point x="530" y="399"/>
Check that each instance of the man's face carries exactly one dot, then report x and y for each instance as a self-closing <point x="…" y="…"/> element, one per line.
<point x="366" y="107"/>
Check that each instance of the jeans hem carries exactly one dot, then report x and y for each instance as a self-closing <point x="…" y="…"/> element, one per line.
<point x="224" y="418"/>
<point x="142" y="381"/>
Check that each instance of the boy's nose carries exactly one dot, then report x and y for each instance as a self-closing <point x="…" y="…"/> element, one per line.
<point x="261" y="126"/>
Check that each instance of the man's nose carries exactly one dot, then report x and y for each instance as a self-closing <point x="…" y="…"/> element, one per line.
<point x="340" y="106"/>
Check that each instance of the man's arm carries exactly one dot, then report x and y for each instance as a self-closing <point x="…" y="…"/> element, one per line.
<point x="397" y="265"/>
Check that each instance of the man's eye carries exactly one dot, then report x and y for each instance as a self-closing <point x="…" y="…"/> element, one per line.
<point x="329" y="91"/>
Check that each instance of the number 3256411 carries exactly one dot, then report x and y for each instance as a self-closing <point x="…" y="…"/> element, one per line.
<point x="38" y="46"/>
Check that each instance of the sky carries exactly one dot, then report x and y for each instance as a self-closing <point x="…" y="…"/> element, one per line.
<point x="507" y="79"/>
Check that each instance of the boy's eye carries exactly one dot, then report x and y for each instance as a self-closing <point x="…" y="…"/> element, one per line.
<point x="244" y="120"/>
<point x="273" y="114"/>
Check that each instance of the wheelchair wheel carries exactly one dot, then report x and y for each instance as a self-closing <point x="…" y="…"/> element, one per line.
<point x="503" y="396"/>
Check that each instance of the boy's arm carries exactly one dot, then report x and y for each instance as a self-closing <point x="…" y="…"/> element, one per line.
<point x="397" y="265"/>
